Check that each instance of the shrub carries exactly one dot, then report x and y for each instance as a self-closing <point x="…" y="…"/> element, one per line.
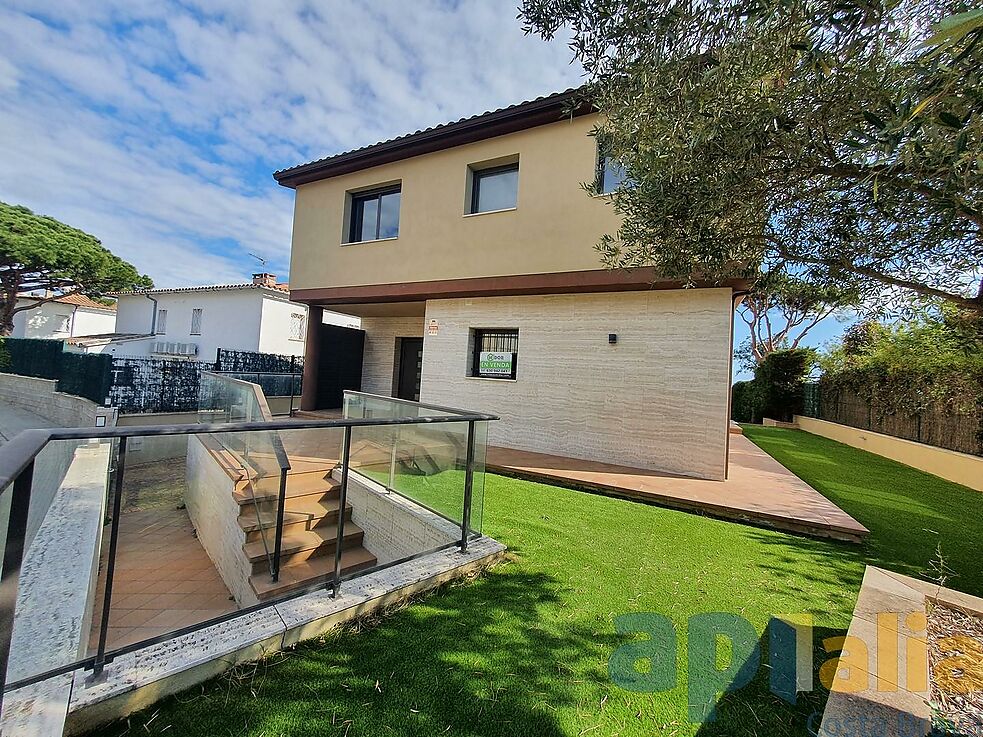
<point x="742" y="402"/>
<point x="778" y="382"/>
<point x="4" y="356"/>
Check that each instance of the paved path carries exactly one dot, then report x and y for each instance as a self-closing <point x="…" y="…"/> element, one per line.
<point x="759" y="490"/>
<point x="15" y="419"/>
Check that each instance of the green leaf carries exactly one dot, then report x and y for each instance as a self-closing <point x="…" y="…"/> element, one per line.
<point x="951" y="120"/>
<point x="953" y="29"/>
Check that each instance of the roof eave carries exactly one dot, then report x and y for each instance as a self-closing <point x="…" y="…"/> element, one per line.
<point x="490" y="125"/>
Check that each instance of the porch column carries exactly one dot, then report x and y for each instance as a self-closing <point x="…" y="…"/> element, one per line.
<point x="312" y="358"/>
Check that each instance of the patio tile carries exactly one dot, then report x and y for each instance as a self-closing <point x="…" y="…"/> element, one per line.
<point x="160" y="564"/>
<point x="758" y="489"/>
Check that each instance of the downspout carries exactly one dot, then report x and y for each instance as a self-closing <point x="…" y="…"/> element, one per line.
<point x="153" y="317"/>
<point x="736" y="298"/>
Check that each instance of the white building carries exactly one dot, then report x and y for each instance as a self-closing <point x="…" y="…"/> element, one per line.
<point x="66" y="317"/>
<point x="194" y="322"/>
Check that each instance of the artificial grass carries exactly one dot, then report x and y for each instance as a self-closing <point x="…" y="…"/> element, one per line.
<point x="918" y="522"/>
<point x="524" y="650"/>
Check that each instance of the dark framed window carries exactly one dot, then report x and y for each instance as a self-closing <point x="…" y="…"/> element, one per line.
<point x="610" y="173"/>
<point x="496" y="188"/>
<point x="374" y="215"/>
<point x="495" y="353"/>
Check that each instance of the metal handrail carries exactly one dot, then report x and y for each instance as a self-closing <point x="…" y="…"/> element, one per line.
<point x="17" y="466"/>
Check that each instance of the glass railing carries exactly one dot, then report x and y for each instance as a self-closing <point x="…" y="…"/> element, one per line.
<point x="424" y="463"/>
<point x="119" y="538"/>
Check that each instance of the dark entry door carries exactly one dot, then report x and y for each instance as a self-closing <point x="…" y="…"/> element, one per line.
<point x="410" y="368"/>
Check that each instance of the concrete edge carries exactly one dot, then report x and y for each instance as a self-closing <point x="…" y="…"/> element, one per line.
<point x="896" y="701"/>
<point x="137" y="680"/>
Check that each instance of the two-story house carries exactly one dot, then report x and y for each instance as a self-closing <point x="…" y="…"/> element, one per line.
<point x="194" y="322"/>
<point x="468" y="251"/>
<point x="65" y="317"/>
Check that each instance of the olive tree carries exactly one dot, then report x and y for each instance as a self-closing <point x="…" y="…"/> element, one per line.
<point x="840" y="138"/>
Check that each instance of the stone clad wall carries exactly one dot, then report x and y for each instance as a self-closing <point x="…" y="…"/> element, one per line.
<point x="394" y="526"/>
<point x="40" y="397"/>
<point x="657" y="399"/>
<point x="380" y="350"/>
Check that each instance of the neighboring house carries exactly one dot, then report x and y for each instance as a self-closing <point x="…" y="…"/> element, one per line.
<point x="64" y="317"/>
<point x="194" y="322"/>
<point x="468" y="251"/>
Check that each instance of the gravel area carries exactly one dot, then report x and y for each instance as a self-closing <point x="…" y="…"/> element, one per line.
<point x="956" y="658"/>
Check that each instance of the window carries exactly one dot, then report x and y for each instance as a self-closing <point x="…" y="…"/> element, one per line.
<point x="297" y="320"/>
<point x="64" y="323"/>
<point x="196" y="321"/>
<point x="374" y="215"/>
<point x="496" y="188"/>
<point x="161" y="322"/>
<point x="610" y="174"/>
<point x="494" y="353"/>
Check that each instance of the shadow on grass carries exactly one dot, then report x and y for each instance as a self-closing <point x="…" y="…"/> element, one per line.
<point x="476" y="659"/>
<point x="755" y="710"/>
<point x="917" y="521"/>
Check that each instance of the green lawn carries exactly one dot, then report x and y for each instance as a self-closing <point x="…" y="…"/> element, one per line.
<point x="524" y="650"/>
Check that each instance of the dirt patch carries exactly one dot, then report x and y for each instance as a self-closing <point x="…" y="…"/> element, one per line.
<point x="156" y="485"/>
<point x="956" y="658"/>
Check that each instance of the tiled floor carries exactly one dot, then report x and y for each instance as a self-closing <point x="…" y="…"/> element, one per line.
<point x="163" y="580"/>
<point x="758" y="490"/>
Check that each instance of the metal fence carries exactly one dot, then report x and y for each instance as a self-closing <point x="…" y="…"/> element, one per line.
<point x="136" y="384"/>
<point x="936" y="425"/>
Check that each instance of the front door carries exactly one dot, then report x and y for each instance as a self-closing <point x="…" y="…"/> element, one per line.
<point x="410" y="368"/>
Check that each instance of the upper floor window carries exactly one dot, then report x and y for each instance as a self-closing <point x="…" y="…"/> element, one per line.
<point x="610" y="173"/>
<point x="64" y="323"/>
<point x="374" y="215"/>
<point x="196" y="321"/>
<point x="495" y="188"/>
<point x="297" y="320"/>
<point x="161" y="327"/>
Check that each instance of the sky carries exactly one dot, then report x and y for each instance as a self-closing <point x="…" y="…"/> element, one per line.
<point x="156" y="125"/>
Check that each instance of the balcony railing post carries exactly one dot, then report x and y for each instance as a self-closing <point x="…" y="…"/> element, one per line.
<point x="342" y="503"/>
<point x="107" y="598"/>
<point x="13" y="556"/>
<point x="468" y="487"/>
<point x="278" y="540"/>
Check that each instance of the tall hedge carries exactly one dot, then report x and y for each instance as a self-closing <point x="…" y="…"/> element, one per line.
<point x="777" y="390"/>
<point x="779" y="380"/>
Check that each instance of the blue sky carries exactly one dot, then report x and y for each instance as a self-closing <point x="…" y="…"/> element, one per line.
<point x="156" y="125"/>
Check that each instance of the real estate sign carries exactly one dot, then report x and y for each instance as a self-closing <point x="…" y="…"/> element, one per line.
<point x="495" y="363"/>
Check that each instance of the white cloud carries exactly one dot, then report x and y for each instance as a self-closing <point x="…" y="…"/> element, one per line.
<point x="156" y="125"/>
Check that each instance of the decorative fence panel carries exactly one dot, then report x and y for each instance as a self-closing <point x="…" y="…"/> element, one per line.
<point x="935" y="425"/>
<point x="155" y="384"/>
<point x="252" y="362"/>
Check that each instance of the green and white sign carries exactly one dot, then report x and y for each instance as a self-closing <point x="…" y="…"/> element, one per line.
<point x="494" y="363"/>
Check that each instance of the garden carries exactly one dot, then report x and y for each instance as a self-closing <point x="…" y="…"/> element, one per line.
<point x="525" y="648"/>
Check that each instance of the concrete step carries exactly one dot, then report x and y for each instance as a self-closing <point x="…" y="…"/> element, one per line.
<point x="305" y="485"/>
<point x="312" y="515"/>
<point x="302" y="545"/>
<point x="310" y="573"/>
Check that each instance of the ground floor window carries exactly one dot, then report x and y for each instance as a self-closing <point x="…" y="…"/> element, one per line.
<point x="494" y="352"/>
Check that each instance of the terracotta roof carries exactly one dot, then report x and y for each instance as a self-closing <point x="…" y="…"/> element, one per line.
<point x="205" y="288"/>
<point x="540" y="111"/>
<point x="79" y="300"/>
<point x="106" y="338"/>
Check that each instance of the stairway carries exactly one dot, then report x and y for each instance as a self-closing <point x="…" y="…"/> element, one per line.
<point x="310" y="525"/>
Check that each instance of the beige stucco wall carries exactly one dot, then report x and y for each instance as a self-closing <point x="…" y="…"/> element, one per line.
<point x="961" y="468"/>
<point x="378" y="358"/>
<point x="553" y="228"/>
<point x="657" y="399"/>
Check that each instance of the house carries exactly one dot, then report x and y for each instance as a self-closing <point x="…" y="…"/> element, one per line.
<point x="194" y="322"/>
<point x="467" y="250"/>
<point x="65" y="317"/>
